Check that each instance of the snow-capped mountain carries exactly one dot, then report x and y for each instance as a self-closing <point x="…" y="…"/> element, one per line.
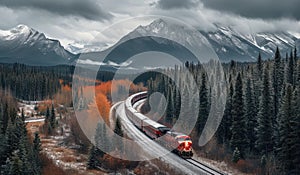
<point x="230" y="44"/>
<point x="157" y="37"/>
<point x="227" y="43"/>
<point x="23" y="44"/>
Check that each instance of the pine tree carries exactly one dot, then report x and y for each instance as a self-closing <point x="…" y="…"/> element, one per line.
<point x="52" y="117"/>
<point x="236" y="156"/>
<point x="264" y="128"/>
<point x="263" y="163"/>
<point x="284" y="148"/>
<point x="259" y="65"/>
<point x="250" y="116"/>
<point x="47" y="119"/>
<point x="203" y="106"/>
<point x="295" y="135"/>
<point x="36" y="152"/>
<point x="3" y="149"/>
<point x="15" y="167"/>
<point x="224" y="132"/>
<point x="297" y="81"/>
<point x="22" y="115"/>
<point x="5" y="168"/>
<point x="238" y="128"/>
<point x="186" y="106"/>
<point x="5" y="118"/>
<point x="23" y="154"/>
<point x="177" y="105"/>
<point x="170" y="108"/>
<point x="93" y="161"/>
<point x="290" y="70"/>
<point x="278" y="79"/>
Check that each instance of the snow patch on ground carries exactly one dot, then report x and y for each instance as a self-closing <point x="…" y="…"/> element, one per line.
<point x="220" y="166"/>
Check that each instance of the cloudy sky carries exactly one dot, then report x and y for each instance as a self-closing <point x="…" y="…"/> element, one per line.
<point x="81" y="21"/>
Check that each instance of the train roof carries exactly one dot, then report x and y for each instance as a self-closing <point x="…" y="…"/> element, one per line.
<point x="141" y="116"/>
<point x="176" y="134"/>
<point x="128" y="100"/>
<point x="153" y="123"/>
<point x="132" y="109"/>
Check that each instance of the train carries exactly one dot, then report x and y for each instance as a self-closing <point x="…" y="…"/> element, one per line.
<point x="179" y="143"/>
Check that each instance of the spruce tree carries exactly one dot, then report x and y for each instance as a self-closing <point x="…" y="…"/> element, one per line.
<point x="52" y="117"/>
<point x="278" y="79"/>
<point x="259" y="65"/>
<point x="295" y="135"/>
<point x="236" y="156"/>
<point x="297" y="81"/>
<point x="93" y="161"/>
<point x="170" y="108"/>
<point x="238" y="128"/>
<point x="35" y="153"/>
<point x="250" y="115"/>
<point x="285" y="153"/>
<point x="203" y="106"/>
<point x="22" y="115"/>
<point x="24" y="156"/>
<point x="47" y="119"/>
<point x="15" y="166"/>
<point x="290" y="70"/>
<point x="224" y="132"/>
<point x="3" y="149"/>
<point x="186" y="106"/>
<point x="264" y="128"/>
<point x="177" y="104"/>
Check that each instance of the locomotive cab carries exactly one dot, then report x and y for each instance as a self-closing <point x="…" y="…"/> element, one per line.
<point x="184" y="149"/>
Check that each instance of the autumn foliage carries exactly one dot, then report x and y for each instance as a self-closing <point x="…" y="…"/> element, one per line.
<point x="104" y="91"/>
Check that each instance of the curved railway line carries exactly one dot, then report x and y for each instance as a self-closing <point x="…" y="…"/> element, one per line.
<point x="191" y="166"/>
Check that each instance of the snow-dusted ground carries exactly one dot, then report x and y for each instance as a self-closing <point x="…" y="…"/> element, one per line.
<point x="52" y="147"/>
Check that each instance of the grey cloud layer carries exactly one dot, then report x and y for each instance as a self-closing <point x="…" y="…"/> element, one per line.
<point x="265" y="9"/>
<point x="176" y="4"/>
<point x="87" y="9"/>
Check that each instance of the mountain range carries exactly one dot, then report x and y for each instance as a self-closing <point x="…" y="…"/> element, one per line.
<point x="23" y="44"/>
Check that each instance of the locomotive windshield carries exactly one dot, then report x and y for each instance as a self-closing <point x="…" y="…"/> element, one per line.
<point x="164" y="130"/>
<point x="184" y="139"/>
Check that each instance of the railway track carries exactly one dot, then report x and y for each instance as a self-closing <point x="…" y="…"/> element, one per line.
<point x="204" y="167"/>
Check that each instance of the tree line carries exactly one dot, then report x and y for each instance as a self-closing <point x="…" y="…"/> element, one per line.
<point x="261" y="118"/>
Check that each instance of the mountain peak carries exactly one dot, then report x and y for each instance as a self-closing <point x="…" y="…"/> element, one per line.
<point x="159" y="21"/>
<point x="21" y="28"/>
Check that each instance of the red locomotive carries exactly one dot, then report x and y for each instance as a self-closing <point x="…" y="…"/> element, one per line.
<point x="180" y="143"/>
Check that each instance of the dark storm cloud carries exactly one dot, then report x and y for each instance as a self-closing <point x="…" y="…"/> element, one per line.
<point x="265" y="9"/>
<point x="176" y="4"/>
<point x="87" y="9"/>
